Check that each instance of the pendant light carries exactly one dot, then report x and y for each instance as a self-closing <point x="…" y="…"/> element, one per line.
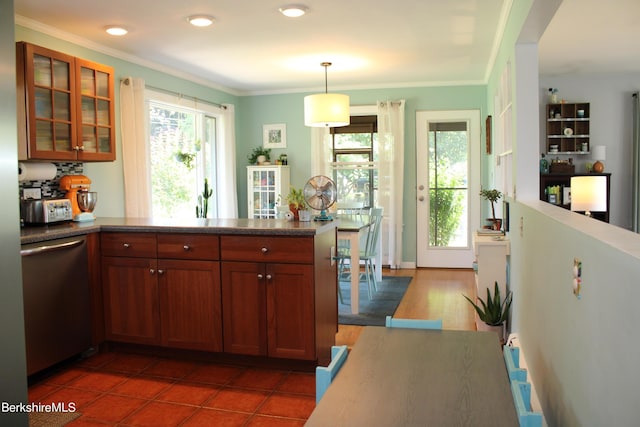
<point x="326" y="109"/>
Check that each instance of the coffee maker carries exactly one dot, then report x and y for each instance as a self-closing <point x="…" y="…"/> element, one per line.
<point x="82" y="200"/>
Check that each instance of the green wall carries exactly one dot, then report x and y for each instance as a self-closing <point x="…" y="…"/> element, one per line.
<point x="107" y="178"/>
<point x="252" y="112"/>
<point x="256" y="111"/>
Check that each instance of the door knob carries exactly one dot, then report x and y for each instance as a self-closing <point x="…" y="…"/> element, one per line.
<point x="421" y="198"/>
<point x="260" y="276"/>
<point x="421" y="187"/>
<point x="268" y="277"/>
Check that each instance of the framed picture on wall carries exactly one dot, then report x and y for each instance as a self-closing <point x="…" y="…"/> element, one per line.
<point x="274" y="136"/>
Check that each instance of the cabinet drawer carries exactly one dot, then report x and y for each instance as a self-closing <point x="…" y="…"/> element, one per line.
<point x="188" y="246"/>
<point x="267" y="249"/>
<point x="128" y="244"/>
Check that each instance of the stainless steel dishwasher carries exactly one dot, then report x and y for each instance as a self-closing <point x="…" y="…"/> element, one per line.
<point x="56" y="301"/>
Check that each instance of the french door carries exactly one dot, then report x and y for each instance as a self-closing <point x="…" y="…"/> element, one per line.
<point x="448" y="183"/>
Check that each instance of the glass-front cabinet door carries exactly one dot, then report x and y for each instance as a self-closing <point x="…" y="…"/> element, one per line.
<point x="65" y="106"/>
<point x="46" y="88"/>
<point x="266" y="188"/>
<point x="96" y="130"/>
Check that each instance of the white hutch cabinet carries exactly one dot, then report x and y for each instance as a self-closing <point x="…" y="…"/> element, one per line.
<point x="265" y="184"/>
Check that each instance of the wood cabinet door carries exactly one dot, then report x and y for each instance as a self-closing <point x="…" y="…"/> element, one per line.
<point x="244" y="308"/>
<point x="190" y="311"/>
<point x="46" y="103"/>
<point x="130" y="289"/>
<point x="290" y="311"/>
<point x="95" y="117"/>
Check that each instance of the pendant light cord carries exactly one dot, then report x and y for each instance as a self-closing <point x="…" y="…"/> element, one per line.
<point x="326" y="65"/>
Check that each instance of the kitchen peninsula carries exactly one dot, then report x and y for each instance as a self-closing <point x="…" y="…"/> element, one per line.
<point x="251" y="289"/>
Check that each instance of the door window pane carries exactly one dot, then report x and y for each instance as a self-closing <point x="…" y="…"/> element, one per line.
<point x="448" y="188"/>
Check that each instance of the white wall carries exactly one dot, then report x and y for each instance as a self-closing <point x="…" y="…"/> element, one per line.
<point x="582" y="354"/>
<point x="611" y="126"/>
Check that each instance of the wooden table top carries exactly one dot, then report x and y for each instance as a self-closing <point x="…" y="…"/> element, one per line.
<point x="413" y="377"/>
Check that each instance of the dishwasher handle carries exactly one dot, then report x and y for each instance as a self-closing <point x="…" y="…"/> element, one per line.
<point x="51" y="248"/>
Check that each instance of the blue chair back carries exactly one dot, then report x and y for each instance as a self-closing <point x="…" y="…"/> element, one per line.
<point x="521" y="392"/>
<point x="324" y="376"/>
<point x="391" y="322"/>
<point x="512" y="361"/>
<point x="373" y="235"/>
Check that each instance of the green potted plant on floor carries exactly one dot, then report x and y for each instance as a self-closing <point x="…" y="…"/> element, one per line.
<point x="492" y="313"/>
<point x="493" y="196"/>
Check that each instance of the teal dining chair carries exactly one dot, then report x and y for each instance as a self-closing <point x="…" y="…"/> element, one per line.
<point x="391" y="322"/>
<point x="368" y="253"/>
<point x="325" y="375"/>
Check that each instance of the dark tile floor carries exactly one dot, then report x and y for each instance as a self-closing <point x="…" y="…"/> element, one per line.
<point x="119" y="389"/>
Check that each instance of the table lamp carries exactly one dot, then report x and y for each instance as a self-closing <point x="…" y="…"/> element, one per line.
<point x="599" y="154"/>
<point x="589" y="193"/>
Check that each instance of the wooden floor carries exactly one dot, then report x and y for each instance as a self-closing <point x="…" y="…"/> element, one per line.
<point x="432" y="294"/>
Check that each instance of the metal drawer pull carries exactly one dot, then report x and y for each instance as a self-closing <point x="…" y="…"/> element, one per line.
<point x="260" y="276"/>
<point x="126" y="245"/>
<point x="265" y="250"/>
<point x="152" y="271"/>
<point x="160" y="272"/>
<point x="186" y="247"/>
<point x="268" y="277"/>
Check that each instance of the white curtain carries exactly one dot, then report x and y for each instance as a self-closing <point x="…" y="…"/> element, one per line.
<point x="135" y="150"/>
<point x="226" y="165"/>
<point x="321" y="151"/>
<point x="390" y="177"/>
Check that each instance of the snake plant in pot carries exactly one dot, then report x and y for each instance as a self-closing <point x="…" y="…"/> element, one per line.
<point x="493" y="312"/>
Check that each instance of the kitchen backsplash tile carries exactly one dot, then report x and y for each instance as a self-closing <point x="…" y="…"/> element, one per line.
<point x="51" y="188"/>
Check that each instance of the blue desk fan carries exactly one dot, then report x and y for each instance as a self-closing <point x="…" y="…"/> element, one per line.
<point x="320" y="192"/>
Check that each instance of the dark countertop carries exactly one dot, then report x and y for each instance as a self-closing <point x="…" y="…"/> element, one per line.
<point x="239" y="226"/>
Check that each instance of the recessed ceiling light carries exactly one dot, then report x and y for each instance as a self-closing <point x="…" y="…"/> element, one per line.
<point x="116" y="30"/>
<point x="201" y="20"/>
<point x="293" y="10"/>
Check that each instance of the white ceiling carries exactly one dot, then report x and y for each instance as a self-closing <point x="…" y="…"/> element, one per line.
<point x="253" y="49"/>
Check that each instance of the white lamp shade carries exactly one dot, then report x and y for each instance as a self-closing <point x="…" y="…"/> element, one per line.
<point x="326" y="110"/>
<point x="589" y="193"/>
<point x="599" y="152"/>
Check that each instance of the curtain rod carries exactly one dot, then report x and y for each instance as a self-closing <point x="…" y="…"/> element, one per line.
<point x="180" y="95"/>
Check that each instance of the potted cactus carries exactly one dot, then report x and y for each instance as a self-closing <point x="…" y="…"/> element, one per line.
<point x="203" y="200"/>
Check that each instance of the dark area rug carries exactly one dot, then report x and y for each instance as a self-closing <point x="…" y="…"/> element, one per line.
<point x="383" y="304"/>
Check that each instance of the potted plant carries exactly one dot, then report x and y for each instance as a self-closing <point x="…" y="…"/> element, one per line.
<point x="493" y="196"/>
<point x="259" y="155"/>
<point x="296" y="201"/>
<point x="493" y="313"/>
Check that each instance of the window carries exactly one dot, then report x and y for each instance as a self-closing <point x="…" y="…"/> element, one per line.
<point x="182" y="147"/>
<point x="354" y="157"/>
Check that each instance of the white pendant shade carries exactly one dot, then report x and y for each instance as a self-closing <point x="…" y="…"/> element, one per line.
<point x="326" y="110"/>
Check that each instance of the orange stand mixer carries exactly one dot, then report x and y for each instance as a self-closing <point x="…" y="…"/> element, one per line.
<point x="82" y="200"/>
